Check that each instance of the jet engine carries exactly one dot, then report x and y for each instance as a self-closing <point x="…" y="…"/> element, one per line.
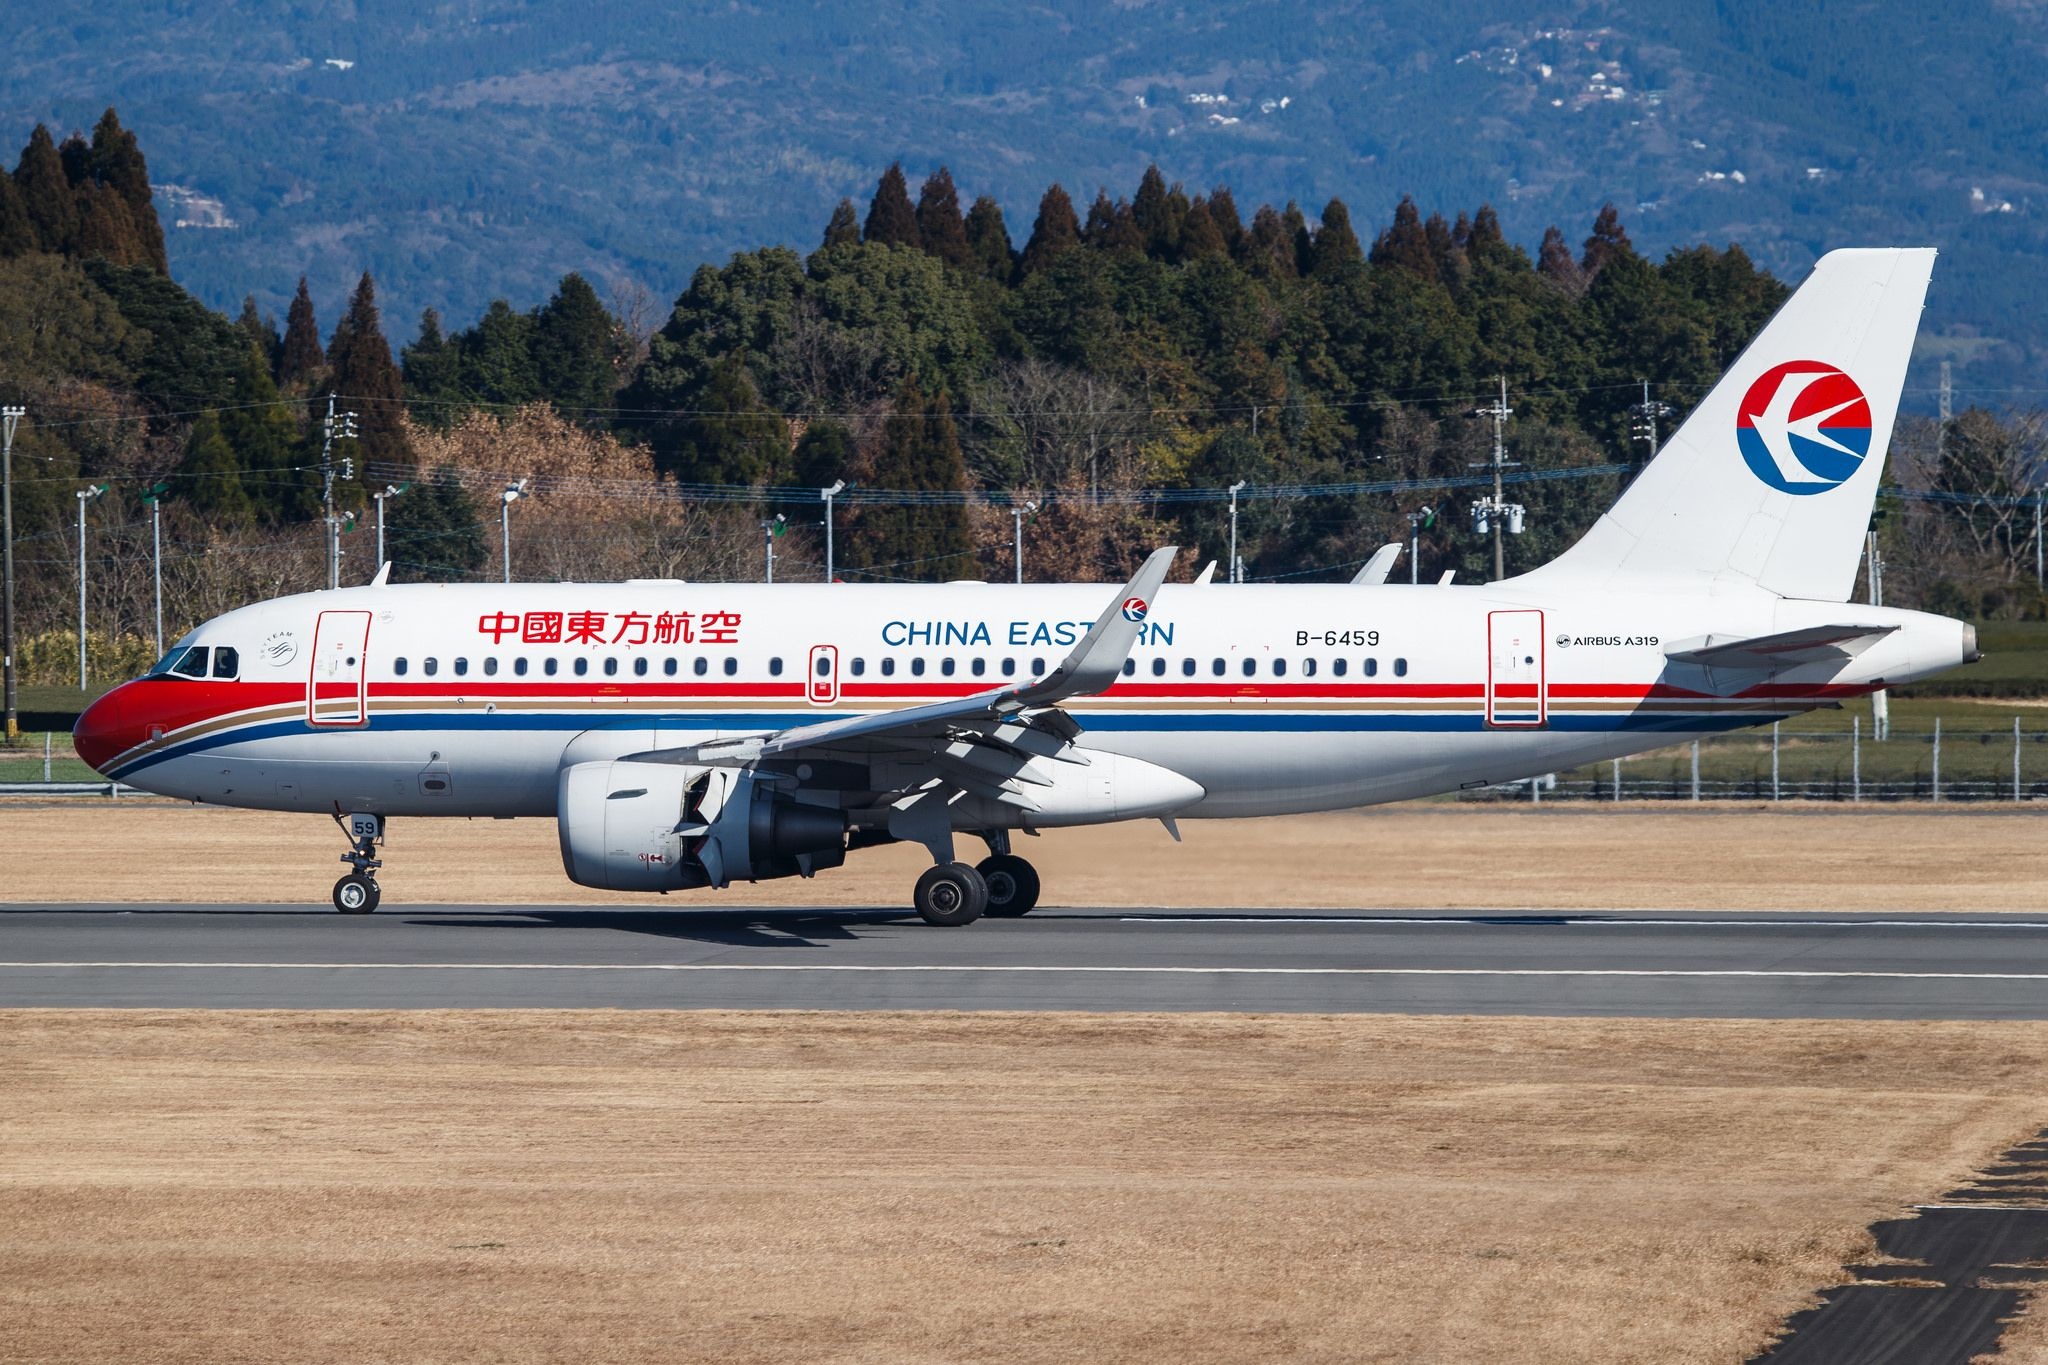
<point x="669" y="827"/>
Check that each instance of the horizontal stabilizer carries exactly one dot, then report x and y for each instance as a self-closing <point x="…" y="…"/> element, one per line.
<point x="1787" y="649"/>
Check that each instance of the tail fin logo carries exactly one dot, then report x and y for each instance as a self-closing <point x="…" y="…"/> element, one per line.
<point x="1804" y="427"/>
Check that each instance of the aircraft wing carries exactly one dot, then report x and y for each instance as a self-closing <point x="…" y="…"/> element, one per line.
<point x="1011" y="724"/>
<point x="1775" y="653"/>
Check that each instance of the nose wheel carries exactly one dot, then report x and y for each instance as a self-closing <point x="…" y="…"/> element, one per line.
<point x="358" y="892"/>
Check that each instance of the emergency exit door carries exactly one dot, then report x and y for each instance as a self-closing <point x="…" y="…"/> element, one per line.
<point x="1515" y="691"/>
<point x="821" y="684"/>
<point x="337" y="692"/>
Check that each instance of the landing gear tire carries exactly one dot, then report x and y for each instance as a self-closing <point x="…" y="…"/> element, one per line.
<point x="951" y="894"/>
<point x="356" y="894"/>
<point x="1012" y="885"/>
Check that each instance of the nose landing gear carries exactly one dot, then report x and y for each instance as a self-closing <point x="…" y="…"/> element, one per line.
<point x="358" y="892"/>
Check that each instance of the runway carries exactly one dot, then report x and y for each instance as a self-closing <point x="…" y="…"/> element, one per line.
<point x="1659" y="964"/>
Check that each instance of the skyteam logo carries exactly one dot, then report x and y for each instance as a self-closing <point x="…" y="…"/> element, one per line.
<point x="1804" y="427"/>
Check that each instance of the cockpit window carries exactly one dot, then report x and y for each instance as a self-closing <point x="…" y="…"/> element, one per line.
<point x="226" y="662"/>
<point x="193" y="665"/>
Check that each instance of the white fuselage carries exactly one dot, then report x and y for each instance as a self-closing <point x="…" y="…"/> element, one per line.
<point x="469" y="699"/>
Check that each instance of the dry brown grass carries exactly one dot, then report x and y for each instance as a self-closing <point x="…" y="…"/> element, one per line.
<point x="1579" y="857"/>
<point x="192" y="1186"/>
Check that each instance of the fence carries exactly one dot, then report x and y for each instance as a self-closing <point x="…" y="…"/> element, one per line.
<point x="1942" y="763"/>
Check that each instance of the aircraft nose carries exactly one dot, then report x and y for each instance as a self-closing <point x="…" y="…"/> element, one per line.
<point x="101" y="732"/>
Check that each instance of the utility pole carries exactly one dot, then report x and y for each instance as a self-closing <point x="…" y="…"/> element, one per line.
<point x="1236" y="567"/>
<point x="1947" y="407"/>
<point x="1643" y="427"/>
<point x="1017" y="512"/>
<point x="1880" y="704"/>
<point x="155" y="498"/>
<point x="1496" y="513"/>
<point x="513" y="492"/>
<point x="85" y="495"/>
<point x="391" y="490"/>
<point x="769" y="531"/>
<point x="838" y="487"/>
<point x="9" y="417"/>
<point x="1420" y="520"/>
<point x="342" y="425"/>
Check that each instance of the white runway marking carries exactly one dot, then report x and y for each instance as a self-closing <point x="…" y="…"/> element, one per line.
<point x="1508" y="918"/>
<point x="1034" y="970"/>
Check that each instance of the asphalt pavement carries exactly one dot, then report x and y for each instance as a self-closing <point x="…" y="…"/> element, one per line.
<point x="1704" y="964"/>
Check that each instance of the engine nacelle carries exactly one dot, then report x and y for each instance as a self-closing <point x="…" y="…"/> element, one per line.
<point x="668" y="827"/>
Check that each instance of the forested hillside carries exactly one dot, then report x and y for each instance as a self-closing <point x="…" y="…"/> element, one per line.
<point x="1097" y="378"/>
<point x="464" y="152"/>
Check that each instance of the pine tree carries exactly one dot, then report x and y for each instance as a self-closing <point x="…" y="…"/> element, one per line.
<point x="822" y="457"/>
<point x="75" y="155"/>
<point x="17" y="233"/>
<point x="1336" y="245"/>
<point x="434" y="534"/>
<point x="938" y="219"/>
<point x="844" y="229"/>
<point x="299" y="359"/>
<point x="734" y="438"/>
<point x="106" y="230"/>
<point x="46" y="193"/>
<point x="431" y="368"/>
<point x="891" y="220"/>
<point x="262" y="330"/>
<point x="1199" y="237"/>
<point x="1486" y="235"/>
<point x="214" y="476"/>
<point x="1112" y="226"/>
<point x="1056" y="230"/>
<point x="988" y="241"/>
<point x="1609" y="240"/>
<point x="1295" y="223"/>
<point x="1223" y="212"/>
<point x="1405" y="245"/>
<point x="362" y="377"/>
<point x="1267" y="250"/>
<point x="1150" y="214"/>
<point x="497" y="364"/>
<point x="918" y="451"/>
<point x="575" y="346"/>
<point x="1554" y="262"/>
<point x="118" y="164"/>
<point x="264" y="434"/>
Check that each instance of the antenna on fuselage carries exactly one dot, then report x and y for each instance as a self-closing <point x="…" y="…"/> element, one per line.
<point x="383" y="577"/>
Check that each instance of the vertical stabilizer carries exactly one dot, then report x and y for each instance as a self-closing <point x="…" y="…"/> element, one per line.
<point x="1770" y="482"/>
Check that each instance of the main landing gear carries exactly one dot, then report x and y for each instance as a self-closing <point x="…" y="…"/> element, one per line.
<point x="358" y="892"/>
<point x="1002" y="885"/>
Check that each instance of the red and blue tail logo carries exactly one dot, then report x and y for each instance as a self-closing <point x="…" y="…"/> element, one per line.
<point x="1804" y="427"/>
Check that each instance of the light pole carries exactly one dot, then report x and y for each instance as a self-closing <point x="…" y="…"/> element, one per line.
<point x="771" y="528"/>
<point x="155" y="498"/>
<point x="1236" y="569"/>
<point x="512" y="494"/>
<point x="391" y="490"/>
<point x="85" y="495"/>
<point x="1420" y="520"/>
<point x="1017" y="524"/>
<point x="8" y="418"/>
<point x="838" y="487"/>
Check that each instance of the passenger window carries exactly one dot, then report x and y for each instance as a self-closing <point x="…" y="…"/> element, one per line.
<point x="491" y="667"/>
<point x="1279" y="668"/>
<point x="551" y="667"/>
<point x="946" y="667"/>
<point x="1187" y="668"/>
<point x="980" y="667"/>
<point x="823" y="667"/>
<point x="582" y="667"/>
<point x="700" y="665"/>
<point x="1337" y="667"/>
<point x="860" y="666"/>
<point x="462" y="668"/>
<point x="1159" y="668"/>
<point x="732" y="666"/>
<point x="1251" y="666"/>
<point x="668" y="667"/>
<point x="1130" y="667"/>
<point x="640" y="667"/>
<point x="193" y="665"/>
<point x="1216" y="667"/>
<point x="1372" y="668"/>
<point x="519" y="665"/>
<point x="1400" y="668"/>
<point x="225" y="662"/>
<point x="917" y="668"/>
<point x="775" y="666"/>
<point x="611" y="668"/>
<point x="889" y="667"/>
<point x="1009" y="668"/>
<point x="430" y="666"/>
<point x="1037" y="668"/>
<point x="398" y="667"/>
<point x="1308" y="668"/>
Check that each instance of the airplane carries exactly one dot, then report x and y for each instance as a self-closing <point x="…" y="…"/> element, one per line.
<point x="689" y="735"/>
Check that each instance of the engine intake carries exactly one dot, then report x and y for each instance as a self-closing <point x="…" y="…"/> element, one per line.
<point x="669" y="827"/>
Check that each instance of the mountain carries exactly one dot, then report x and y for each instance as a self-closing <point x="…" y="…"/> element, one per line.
<point x="468" y="149"/>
